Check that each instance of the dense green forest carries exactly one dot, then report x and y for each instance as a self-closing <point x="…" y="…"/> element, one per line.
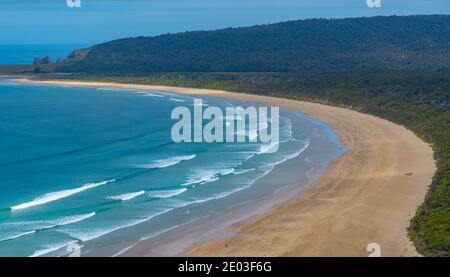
<point x="419" y="101"/>
<point x="374" y="43"/>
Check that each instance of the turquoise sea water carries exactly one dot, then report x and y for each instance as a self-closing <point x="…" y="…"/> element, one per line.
<point x="97" y="166"/>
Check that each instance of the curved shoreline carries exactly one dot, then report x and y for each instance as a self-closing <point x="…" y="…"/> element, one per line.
<point x="363" y="197"/>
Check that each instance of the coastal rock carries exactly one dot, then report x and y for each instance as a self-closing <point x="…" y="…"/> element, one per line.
<point x="46" y="60"/>
<point x="77" y="55"/>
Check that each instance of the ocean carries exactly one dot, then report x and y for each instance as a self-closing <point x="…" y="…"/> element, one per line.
<point x="26" y="53"/>
<point x="97" y="167"/>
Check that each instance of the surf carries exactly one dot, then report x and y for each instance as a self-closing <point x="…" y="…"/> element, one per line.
<point x="126" y="196"/>
<point x="31" y="227"/>
<point x="166" y="162"/>
<point x="166" y="193"/>
<point x="54" y="196"/>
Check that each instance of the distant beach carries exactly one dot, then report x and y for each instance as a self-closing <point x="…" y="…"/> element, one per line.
<point x="365" y="196"/>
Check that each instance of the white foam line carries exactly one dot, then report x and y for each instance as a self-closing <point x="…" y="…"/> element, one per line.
<point x="177" y="100"/>
<point x="210" y="181"/>
<point x="39" y="225"/>
<point x="54" y="196"/>
<point x="126" y="196"/>
<point x="166" y="162"/>
<point x="295" y="155"/>
<point x="264" y="148"/>
<point x="152" y="95"/>
<point x="110" y="89"/>
<point x="207" y="176"/>
<point x="68" y="220"/>
<point x="50" y="249"/>
<point x="84" y="236"/>
<point x="18" y="235"/>
<point x="166" y="193"/>
<point x="244" y="171"/>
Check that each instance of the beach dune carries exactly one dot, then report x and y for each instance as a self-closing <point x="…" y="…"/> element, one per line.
<point x="366" y="196"/>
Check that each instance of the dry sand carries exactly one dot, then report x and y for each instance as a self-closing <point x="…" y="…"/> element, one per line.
<point x="364" y="196"/>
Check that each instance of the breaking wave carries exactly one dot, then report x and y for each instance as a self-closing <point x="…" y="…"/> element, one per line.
<point x="54" y="196"/>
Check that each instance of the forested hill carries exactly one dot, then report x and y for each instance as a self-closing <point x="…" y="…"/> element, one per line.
<point x="374" y="43"/>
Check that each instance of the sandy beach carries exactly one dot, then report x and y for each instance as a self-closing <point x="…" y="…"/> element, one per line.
<point x="364" y="196"/>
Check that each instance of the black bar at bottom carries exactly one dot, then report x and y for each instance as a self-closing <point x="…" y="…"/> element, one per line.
<point x="219" y="266"/>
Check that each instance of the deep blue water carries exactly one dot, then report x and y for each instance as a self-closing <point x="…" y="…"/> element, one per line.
<point x="26" y="53"/>
<point x="87" y="164"/>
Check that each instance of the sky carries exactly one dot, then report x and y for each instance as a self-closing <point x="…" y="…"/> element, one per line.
<point x="53" y="22"/>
